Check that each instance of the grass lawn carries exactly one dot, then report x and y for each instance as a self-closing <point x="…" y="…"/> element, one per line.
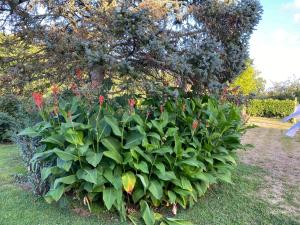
<point x="223" y="204"/>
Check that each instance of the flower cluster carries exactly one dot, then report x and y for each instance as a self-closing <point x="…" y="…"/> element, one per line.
<point x="38" y="99"/>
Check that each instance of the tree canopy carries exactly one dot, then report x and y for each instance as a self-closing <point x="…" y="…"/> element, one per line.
<point x="198" y="43"/>
<point x="249" y="81"/>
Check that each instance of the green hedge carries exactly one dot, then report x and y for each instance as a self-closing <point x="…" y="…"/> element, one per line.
<point x="271" y="108"/>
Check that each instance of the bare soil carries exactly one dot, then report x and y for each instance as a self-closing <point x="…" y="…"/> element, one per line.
<point x="279" y="156"/>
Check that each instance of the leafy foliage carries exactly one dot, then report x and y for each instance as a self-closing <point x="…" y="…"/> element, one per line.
<point x="200" y="43"/>
<point x="9" y="104"/>
<point x="270" y="108"/>
<point x="249" y="81"/>
<point x="289" y="89"/>
<point x="7" y="127"/>
<point x="153" y="155"/>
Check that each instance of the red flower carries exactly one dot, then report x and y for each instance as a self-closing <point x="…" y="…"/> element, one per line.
<point x="101" y="100"/>
<point x="38" y="99"/>
<point x="78" y="73"/>
<point x="131" y="103"/>
<point x="195" y="124"/>
<point x="55" y="89"/>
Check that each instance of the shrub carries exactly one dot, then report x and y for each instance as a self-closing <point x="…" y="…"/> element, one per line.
<point x="7" y="127"/>
<point x="9" y="104"/>
<point x="270" y="108"/>
<point x="158" y="155"/>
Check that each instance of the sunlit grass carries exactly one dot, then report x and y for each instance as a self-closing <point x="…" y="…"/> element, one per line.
<point x="222" y="205"/>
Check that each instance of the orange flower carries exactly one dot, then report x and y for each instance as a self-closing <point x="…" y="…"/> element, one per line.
<point x="55" y="89"/>
<point x="195" y="124"/>
<point x="38" y="99"/>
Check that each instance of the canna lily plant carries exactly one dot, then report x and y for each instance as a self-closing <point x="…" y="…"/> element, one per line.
<point x="294" y="129"/>
<point x="151" y="156"/>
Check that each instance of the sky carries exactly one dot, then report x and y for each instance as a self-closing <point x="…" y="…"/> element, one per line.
<point x="275" y="45"/>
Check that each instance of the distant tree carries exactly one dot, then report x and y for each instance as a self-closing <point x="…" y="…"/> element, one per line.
<point x="288" y="89"/>
<point x="249" y="81"/>
<point x="200" y="43"/>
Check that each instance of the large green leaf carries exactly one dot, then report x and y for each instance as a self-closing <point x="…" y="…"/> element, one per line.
<point x="116" y="156"/>
<point x="83" y="149"/>
<point x="114" y="179"/>
<point x="46" y="172"/>
<point x="65" y="165"/>
<point x="147" y="157"/>
<point x="225" y="177"/>
<point x="128" y="180"/>
<point x="134" y="138"/>
<point x="93" y="158"/>
<point x="172" y="131"/>
<point x="154" y="135"/>
<point x="54" y="194"/>
<point x="164" y="117"/>
<point x="186" y="184"/>
<point x="138" y="119"/>
<point x="65" y="155"/>
<point x="192" y="162"/>
<point x="111" y="143"/>
<point x="88" y="175"/>
<point x="144" y="179"/>
<point x="224" y="158"/>
<point x="158" y="127"/>
<point x="167" y="176"/>
<point x="30" y="132"/>
<point x="163" y="150"/>
<point x="109" y="197"/>
<point x="172" y="197"/>
<point x="113" y="123"/>
<point x="77" y="126"/>
<point x="74" y="137"/>
<point x="103" y="129"/>
<point x="160" y="166"/>
<point x="202" y="176"/>
<point x="137" y="194"/>
<point x="155" y="189"/>
<point x="65" y="180"/>
<point x="178" y="146"/>
<point x="142" y="166"/>
<point x="54" y="139"/>
<point x="113" y="146"/>
<point x="147" y="213"/>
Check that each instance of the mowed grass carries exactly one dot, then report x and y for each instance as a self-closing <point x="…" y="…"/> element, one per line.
<point x="223" y="204"/>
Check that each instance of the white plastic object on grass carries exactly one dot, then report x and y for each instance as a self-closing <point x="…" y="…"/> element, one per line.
<point x="293" y="130"/>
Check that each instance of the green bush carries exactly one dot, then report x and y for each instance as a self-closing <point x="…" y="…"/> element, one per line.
<point x="147" y="155"/>
<point x="270" y="108"/>
<point x="7" y="127"/>
<point x="9" y="104"/>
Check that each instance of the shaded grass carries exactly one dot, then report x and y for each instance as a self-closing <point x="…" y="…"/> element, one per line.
<point x="238" y="204"/>
<point x="223" y="204"/>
